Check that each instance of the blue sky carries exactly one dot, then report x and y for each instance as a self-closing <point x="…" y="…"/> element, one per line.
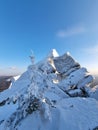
<point x="41" y="25"/>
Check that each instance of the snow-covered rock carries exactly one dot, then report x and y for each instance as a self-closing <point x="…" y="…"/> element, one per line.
<point x="65" y="63"/>
<point x="41" y="99"/>
<point x="94" y="92"/>
<point x="53" y="53"/>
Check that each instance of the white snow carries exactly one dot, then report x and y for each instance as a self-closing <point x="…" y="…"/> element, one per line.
<point x="69" y="114"/>
<point x="17" y="77"/>
<point x="53" y="53"/>
<point x="17" y="87"/>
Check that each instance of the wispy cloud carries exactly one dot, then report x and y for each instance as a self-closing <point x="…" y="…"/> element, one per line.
<point x="77" y="29"/>
<point x="14" y="70"/>
<point x="71" y="31"/>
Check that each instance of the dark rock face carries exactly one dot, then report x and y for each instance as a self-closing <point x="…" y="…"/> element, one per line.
<point x="4" y="82"/>
<point x="96" y="128"/>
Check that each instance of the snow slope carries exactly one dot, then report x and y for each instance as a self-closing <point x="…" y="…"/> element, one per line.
<point x="69" y="114"/>
<point x="53" y="94"/>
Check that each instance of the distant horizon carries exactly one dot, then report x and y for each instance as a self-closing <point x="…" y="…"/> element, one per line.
<point x="18" y="71"/>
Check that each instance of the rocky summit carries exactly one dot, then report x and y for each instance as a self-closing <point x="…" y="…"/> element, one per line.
<point x="53" y="94"/>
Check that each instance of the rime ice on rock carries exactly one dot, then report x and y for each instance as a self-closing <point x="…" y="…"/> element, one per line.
<point x="65" y="64"/>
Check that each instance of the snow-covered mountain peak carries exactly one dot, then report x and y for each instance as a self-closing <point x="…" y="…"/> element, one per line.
<point x="44" y="95"/>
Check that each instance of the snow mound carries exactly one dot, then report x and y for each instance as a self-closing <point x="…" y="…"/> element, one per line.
<point x="44" y="95"/>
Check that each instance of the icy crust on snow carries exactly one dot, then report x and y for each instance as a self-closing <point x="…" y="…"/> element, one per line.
<point x="43" y="95"/>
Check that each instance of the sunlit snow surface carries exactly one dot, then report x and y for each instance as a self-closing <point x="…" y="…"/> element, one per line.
<point x="53" y="94"/>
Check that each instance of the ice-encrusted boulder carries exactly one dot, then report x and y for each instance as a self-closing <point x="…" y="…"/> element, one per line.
<point x="66" y="64"/>
<point x="44" y="93"/>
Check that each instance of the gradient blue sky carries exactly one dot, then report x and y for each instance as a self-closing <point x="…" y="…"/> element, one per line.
<point x="40" y="25"/>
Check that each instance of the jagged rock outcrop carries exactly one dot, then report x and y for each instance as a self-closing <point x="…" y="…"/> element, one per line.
<point x="65" y="64"/>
